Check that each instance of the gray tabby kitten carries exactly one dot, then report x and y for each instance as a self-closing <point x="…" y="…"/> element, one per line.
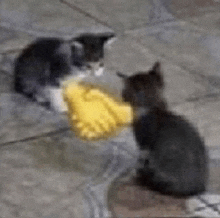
<point x="174" y="157"/>
<point x="42" y="67"/>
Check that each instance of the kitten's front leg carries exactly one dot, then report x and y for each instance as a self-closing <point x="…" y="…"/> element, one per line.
<point x="56" y="99"/>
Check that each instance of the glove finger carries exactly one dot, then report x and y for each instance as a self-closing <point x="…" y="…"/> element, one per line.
<point x="104" y="124"/>
<point x="94" y="94"/>
<point x="111" y="122"/>
<point x="98" y="128"/>
<point x="87" y="132"/>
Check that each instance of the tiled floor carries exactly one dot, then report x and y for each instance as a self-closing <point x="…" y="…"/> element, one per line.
<point x="127" y="200"/>
<point x="48" y="175"/>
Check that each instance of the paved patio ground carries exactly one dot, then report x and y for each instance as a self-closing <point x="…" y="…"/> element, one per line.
<point x="45" y="171"/>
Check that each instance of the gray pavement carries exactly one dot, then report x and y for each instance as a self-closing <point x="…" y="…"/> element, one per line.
<point x="44" y="170"/>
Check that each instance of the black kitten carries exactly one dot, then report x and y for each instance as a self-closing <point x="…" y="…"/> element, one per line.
<point x="47" y="62"/>
<point x="174" y="156"/>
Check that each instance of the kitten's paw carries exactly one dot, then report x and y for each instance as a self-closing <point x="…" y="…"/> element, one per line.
<point x="56" y="100"/>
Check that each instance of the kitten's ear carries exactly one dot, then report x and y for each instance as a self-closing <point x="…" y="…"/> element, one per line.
<point x="156" y="71"/>
<point x="80" y="39"/>
<point x="157" y="68"/>
<point x="121" y="75"/>
<point x="78" y="42"/>
<point x="108" y="38"/>
<point x="104" y="37"/>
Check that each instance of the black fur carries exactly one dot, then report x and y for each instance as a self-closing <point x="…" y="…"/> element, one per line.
<point x="93" y="46"/>
<point x="176" y="160"/>
<point x="47" y="61"/>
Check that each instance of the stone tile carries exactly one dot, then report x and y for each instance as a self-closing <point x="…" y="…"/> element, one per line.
<point x="128" y="56"/>
<point x="65" y="152"/>
<point x="47" y="176"/>
<point x="180" y="85"/>
<point x="12" y="41"/>
<point x="214" y="154"/>
<point x="7" y="63"/>
<point x="127" y="200"/>
<point x="32" y="189"/>
<point x="58" y="147"/>
<point x="30" y="164"/>
<point x="5" y="83"/>
<point x="21" y="118"/>
<point x="120" y="15"/>
<point x="204" y="114"/>
<point x="119" y="156"/>
<point x="214" y="181"/>
<point x="206" y="205"/>
<point x="6" y="34"/>
<point x="193" y="50"/>
<point x="43" y="18"/>
<point x="209" y="22"/>
<point x="214" y="170"/>
<point x="190" y="8"/>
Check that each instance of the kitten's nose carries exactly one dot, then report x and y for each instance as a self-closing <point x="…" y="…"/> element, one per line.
<point x="95" y="68"/>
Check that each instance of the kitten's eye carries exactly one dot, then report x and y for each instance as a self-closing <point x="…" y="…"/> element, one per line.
<point x="88" y="67"/>
<point x="101" y="64"/>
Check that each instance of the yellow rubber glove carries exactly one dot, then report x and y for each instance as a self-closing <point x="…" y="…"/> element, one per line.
<point x="120" y="111"/>
<point x="94" y="114"/>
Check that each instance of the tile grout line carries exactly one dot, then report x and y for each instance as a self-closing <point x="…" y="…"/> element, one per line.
<point x="48" y="134"/>
<point x="181" y="66"/>
<point x="74" y="7"/>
